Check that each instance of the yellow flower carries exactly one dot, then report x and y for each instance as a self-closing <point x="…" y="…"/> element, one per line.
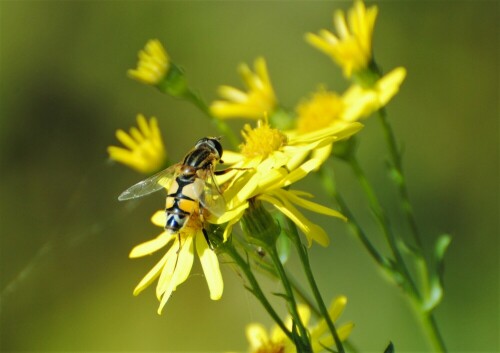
<point x="144" y="150"/>
<point x="321" y="110"/>
<point x="259" y="100"/>
<point x="277" y="342"/>
<point x="175" y="266"/>
<point x="325" y="109"/>
<point x="352" y="47"/>
<point x="153" y="64"/>
<point x="272" y="161"/>
<point x="362" y="101"/>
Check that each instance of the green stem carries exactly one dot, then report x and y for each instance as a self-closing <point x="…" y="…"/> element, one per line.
<point x="428" y="320"/>
<point x="409" y="283"/>
<point x="399" y="176"/>
<point x="255" y="288"/>
<point x="267" y="268"/>
<point x="219" y="124"/>
<point x="430" y="326"/>
<point x="305" y="345"/>
<point x="328" y="179"/>
<point x="304" y="259"/>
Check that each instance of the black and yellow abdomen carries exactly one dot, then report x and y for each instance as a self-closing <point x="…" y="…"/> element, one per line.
<point x="182" y="201"/>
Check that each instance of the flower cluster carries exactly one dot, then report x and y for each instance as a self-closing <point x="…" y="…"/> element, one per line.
<point x="259" y="176"/>
<point x="276" y="341"/>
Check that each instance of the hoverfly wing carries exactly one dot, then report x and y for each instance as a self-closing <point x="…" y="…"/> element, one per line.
<point x="211" y="199"/>
<point x="160" y="180"/>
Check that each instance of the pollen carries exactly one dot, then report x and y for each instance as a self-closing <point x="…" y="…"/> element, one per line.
<point x="262" y="140"/>
<point x="321" y="110"/>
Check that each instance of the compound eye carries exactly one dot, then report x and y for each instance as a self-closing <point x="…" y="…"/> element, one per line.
<point x="217" y="146"/>
<point x="200" y="142"/>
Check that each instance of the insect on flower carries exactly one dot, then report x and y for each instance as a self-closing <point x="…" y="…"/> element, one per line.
<point x="190" y="184"/>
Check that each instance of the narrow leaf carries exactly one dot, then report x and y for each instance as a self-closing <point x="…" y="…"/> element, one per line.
<point x="390" y="348"/>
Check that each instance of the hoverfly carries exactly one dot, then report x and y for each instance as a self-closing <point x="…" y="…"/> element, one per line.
<point x="190" y="184"/>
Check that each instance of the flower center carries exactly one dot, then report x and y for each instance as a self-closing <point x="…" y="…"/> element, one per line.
<point x="321" y="110"/>
<point x="271" y="347"/>
<point x="261" y="141"/>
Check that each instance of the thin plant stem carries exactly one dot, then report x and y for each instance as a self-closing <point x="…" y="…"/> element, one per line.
<point x="292" y="304"/>
<point x="385" y="226"/>
<point x="431" y="327"/>
<point x="267" y="268"/>
<point x="428" y="320"/>
<point x="328" y="179"/>
<point x="304" y="259"/>
<point x="399" y="176"/>
<point x="255" y="288"/>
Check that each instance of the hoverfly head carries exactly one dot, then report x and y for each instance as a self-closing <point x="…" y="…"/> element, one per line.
<point x="212" y="143"/>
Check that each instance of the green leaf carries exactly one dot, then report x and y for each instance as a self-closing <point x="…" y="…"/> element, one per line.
<point x="436" y="291"/>
<point x="442" y="244"/>
<point x="390" y="348"/>
<point x="282" y="295"/>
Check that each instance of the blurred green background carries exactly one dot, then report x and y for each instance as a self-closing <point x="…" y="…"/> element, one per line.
<point x="66" y="280"/>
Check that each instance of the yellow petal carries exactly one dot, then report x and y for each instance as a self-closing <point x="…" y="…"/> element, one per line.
<point x="231" y="157"/>
<point x="301" y="172"/>
<point x="345" y="330"/>
<point x="310" y="230"/>
<point x="334" y="311"/>
<point x="293" y="197"/>
<point x="304" y="313"/>
<point x="318" y="342"/>
<point x="127" y="141"/>
<point x="159" y="218"/>
<point x="277" y="334"/>
<point x="232" y="214"/>
<point x="256" y="335"/>
<point x="143" y="125"/>
<point x="271" y="179"/>
<point x="185" y="261"/>
<point x="210" y="265"/>
<point x="169" y="269"/>
<point x="389" y="85"/>
<point x="232" y="94"/>
<point x="151" y="275"/>
<point x="181" y="271"/>
<point x="322" y="153"/>
<point x="151" y="246"/>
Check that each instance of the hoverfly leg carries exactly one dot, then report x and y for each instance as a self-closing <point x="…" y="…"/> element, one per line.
<point x="224" y="171"/>
<point x="179" y="240"/>
<point x="205" y="234"/>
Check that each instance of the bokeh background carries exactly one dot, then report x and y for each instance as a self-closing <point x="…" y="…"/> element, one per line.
<point x="66" y="280"/>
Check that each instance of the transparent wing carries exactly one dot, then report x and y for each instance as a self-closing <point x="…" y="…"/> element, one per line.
<point x="211" y="199"/>
<point x="154" y="183"/>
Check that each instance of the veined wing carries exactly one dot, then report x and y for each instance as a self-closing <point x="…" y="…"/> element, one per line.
<point x="160" y="180"/>
<point x="211" y="199"/>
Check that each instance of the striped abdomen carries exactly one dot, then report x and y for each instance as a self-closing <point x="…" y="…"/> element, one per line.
<point x="182" y="201"/>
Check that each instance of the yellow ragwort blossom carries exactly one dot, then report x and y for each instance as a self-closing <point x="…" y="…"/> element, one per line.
<point x="153" y="64"/>
<point x="277" y="342"/>
<point x="271" y="162"/>
<point x="352" y="47"/>
<point x="144" y="150"/>
<point x="363" y="101"/>
<point x="322" y="109"/>
<point x="253" y="104"/>
<point x="175" y="266"/>
<point x="325" y="109"/>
